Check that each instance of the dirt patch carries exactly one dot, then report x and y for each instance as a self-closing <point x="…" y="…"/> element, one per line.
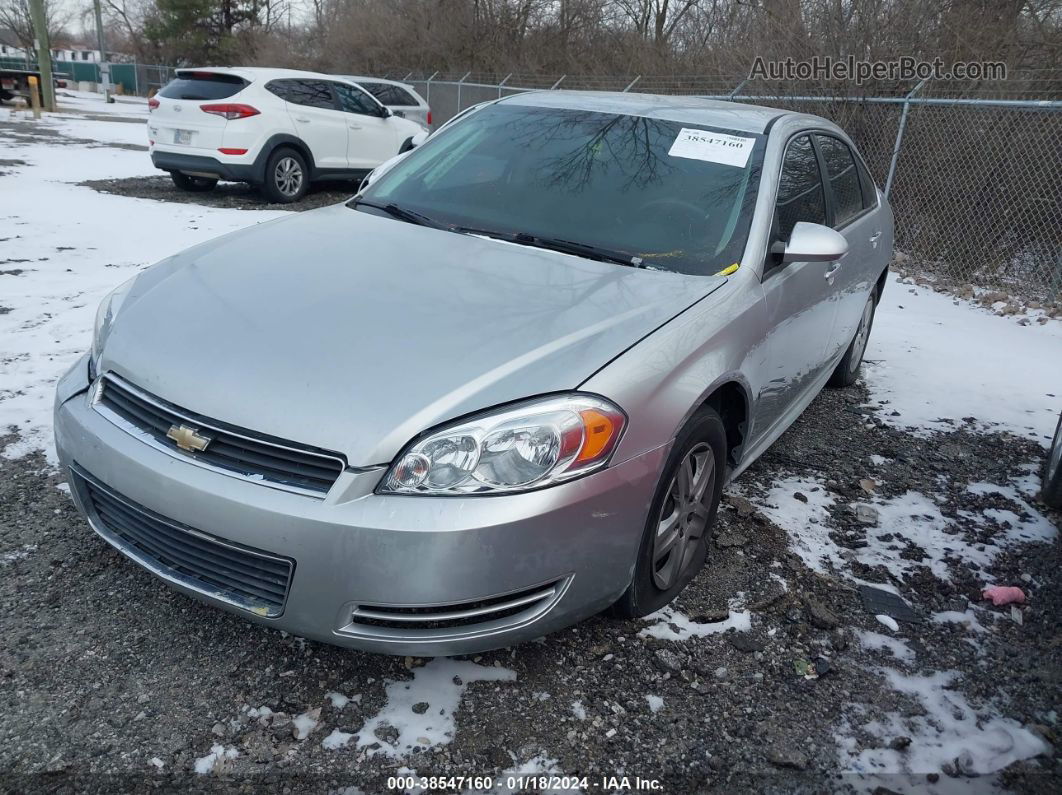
<point x="231" y="195"/>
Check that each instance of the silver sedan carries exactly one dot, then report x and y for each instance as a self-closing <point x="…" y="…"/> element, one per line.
<point x="498" y="391"/>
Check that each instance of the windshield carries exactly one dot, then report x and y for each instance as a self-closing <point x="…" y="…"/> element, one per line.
<point x="678" y="197"/>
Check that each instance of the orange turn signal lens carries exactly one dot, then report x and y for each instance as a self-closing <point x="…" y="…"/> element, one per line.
<point x="601" y="431"/>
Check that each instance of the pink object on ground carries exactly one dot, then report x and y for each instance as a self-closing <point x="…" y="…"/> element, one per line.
<point x="1003" y="594"/>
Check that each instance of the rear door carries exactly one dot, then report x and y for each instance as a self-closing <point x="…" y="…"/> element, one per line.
<point x="372" y="137"/>
<point x="853" y="206"/>
<point x="318" y="121"/>
<point x="798" y="295"/>
<point x="180" y="124"/>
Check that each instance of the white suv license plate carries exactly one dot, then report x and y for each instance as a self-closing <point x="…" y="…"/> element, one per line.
<point x="182" y="136"/>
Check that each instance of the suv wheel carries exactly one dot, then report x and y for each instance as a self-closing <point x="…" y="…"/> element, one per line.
<point x="286" y="177"/>
<point x="192" y="184"/>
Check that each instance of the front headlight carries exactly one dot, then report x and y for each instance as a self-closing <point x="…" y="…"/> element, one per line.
<point x="519" y="448"/>
<point x="108" y="310"/>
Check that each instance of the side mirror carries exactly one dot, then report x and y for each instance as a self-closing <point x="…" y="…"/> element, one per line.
<point x="812" y="243"/>
<point x="385" y="112"/>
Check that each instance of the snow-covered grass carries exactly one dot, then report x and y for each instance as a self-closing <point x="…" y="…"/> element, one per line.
<point x="933" y="357"/>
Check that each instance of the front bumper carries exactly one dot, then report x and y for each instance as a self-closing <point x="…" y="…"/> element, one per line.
<point x="358" y="556"/>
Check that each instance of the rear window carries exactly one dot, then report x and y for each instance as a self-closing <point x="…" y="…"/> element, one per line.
<point x="202" y="85"/>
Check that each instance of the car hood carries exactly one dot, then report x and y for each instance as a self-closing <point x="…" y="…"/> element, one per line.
<point x="354" y="332"/>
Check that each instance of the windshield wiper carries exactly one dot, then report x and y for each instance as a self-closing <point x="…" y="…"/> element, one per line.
<point x="579" y="249"/>
<point x="402" y="214"/>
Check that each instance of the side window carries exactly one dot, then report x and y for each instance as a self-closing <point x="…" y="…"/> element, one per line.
<point x="870" y="190"/>
<point x="281" y="88"/>
<point x="354" y="101"/>
<point x="844" y="178"/>
<point x="800" y="196"/>
<point x="403" y="97"/>
<point x="312" y="93"/>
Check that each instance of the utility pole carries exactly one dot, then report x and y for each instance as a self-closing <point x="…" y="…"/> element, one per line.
<point x="44" y="52"/>
<point x="105" y="67"/>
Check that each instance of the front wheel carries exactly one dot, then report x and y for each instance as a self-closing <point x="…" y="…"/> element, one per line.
<point x="192" y="184"/>
<point x="675" y="542"/>
<point x="848" y="368"/>
<point x="286" y="177"/>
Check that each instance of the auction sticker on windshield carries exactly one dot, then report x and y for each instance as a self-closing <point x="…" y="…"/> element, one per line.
<point x="727" y="150"/>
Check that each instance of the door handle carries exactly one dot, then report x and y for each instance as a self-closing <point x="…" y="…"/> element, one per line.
<point x="355" y="126"/>
<point x="875" y="237"/>
<point x="828" y="275"/>
<point x="303" y="120"/>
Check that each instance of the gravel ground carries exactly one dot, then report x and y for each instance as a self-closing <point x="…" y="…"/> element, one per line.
<point x="103" y="668"/>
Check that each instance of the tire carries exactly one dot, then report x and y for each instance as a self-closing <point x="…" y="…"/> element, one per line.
<point x="848" y="368"/>
<point x="661" y="574"/>
<point x="286" y="178"/>
<point x="1051" y="492"/>
<point x="192" y="184"/>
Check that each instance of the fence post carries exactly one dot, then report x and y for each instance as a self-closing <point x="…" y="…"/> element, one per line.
<point x="459" y="82"/>
<point x="737" y="88"/>
<point x="899" y="136"/>
<point x="502" y="83"/>
<point x="427" y="87"/>
<point x="406" y="78"/>
<point x="630" y="85"/>
<point x="558" y="82"/>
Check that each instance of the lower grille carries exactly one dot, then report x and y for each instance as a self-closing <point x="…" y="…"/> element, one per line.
<point x="248" y="578"/>
<point x="235" y="451"/>
<point x="462" y="617"/>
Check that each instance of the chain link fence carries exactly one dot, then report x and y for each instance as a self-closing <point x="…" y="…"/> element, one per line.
<point x="973" y="173"/>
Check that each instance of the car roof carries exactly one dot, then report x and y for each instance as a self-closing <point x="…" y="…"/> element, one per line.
<point x="253" y="73"/>
<point x="683" y="109"/>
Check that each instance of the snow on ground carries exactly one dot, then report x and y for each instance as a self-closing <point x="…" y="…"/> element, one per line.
<point x="933" y="357"/>
<point x="669" y="624"/>
<point x="951" y="731"/>
<point x="214" y="762"/>
<point x="800" y="506"/>
<point x="63" y="247"/>
<point x="875" y="641"/>
<point x="421" y="710"/>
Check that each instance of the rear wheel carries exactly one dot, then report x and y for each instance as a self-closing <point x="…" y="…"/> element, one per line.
<point x="286" y="176"/>
<point x="674" y="545"/>
<point x="192" y="184"/>
<point x="848" y="368"/>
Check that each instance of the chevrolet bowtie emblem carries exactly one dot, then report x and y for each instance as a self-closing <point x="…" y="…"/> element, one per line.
<point x="188" y="438"/>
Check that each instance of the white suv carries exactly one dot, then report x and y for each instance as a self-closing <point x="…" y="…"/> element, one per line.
<point x="278" y="129"/>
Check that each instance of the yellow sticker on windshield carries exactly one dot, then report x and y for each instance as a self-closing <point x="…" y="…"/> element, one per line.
<point x="729" y="269"/>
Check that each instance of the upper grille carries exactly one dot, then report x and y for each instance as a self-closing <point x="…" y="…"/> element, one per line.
<point x="235" y="451"/>
<point x="245" y="577"/>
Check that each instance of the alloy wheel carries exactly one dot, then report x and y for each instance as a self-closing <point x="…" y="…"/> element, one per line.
<point x="288" y="176"/>
<point x="683" y="516"/>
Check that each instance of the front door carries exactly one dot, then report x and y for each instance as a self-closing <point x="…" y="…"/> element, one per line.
<point x="799" y="296"/>
<point x="372" y="136"/>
